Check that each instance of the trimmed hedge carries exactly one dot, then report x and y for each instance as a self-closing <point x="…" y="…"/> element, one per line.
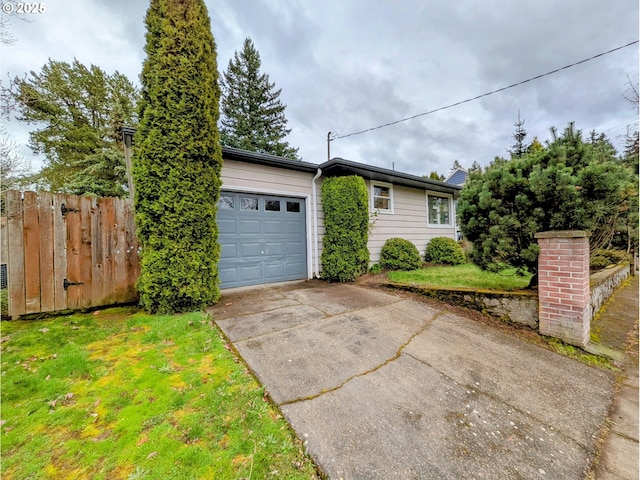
<point x="399" y="254"/>
<point x="444" y="250"/>
<point x="345" y="204"/>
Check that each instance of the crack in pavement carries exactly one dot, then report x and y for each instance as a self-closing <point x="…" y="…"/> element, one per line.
<point x="399" y="352"/>
<point x="327" y="317"/>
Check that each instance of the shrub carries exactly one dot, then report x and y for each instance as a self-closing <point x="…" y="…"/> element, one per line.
<point x="568" y="184"/>
<point x="345" y="204"/>
<point x="177" y="160"/>
<point x="399" y="254"/>
<point x="444" y="250"/>
<point x="375" y="269"/>
<point x="602" y="258"/>
<point x="467" y="248"/>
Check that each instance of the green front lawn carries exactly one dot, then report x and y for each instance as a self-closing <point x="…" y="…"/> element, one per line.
<point x="462" y="276"/>
<point x="120" y="394"/>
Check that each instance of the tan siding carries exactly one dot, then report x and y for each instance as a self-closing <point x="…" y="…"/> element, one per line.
<point x="260" y="177"/>
<point x="408" y="221"/>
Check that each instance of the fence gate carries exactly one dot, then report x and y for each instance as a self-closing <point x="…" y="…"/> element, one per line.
<point x="68" y="252"/>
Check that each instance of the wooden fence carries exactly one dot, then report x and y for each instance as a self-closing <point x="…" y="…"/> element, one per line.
<point x="68" y="252"/>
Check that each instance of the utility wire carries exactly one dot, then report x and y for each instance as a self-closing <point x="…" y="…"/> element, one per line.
<point x="337" y="136"/>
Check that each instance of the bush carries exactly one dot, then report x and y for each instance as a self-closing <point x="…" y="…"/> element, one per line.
<point x="444" y="250"/>
<point x="345" y="204"/>
<point x="375" y="269"/>
<point x="399" y="254"/>
<point x="568" y="184"/>
<point x="602" y="258"/>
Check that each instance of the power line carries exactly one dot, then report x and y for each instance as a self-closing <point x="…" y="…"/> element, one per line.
<point x="337" y="136"/>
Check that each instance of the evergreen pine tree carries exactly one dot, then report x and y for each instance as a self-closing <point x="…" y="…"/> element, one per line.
<point x="79" y="112"/>
<point x="568" y="185"/>
<point x="435" y="176"/>
<point x="475" y="167"/>
<point x="519" y="148"/>
<point x="252" y="114"/>
<point x="631" y="149"/>
<point x="177" y="159"/>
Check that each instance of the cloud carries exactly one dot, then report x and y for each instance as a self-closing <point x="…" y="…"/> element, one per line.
<point x="349" y="66"/>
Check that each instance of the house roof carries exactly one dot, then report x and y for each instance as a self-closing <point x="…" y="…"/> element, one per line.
<point x="458" y="177"/>
<point x="340" y="166"/>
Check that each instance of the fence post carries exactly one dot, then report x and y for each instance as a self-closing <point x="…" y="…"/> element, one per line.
<point x="563" y="286"/>
<point x="15" y="260"/>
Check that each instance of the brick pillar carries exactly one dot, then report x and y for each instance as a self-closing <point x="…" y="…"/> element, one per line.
<point x="563" y="286"/>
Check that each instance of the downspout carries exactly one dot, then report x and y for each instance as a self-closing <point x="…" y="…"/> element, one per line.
<point x="314" y="202"/>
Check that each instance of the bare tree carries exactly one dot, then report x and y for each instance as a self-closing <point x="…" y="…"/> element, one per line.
<point x="14" y="169"/>
<point x="632" y="96"/>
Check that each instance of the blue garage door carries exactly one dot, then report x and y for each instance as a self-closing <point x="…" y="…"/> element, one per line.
<point x="263" y="239"/>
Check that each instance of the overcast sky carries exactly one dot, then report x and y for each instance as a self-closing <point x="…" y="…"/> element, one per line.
<point x="348" y="65"/>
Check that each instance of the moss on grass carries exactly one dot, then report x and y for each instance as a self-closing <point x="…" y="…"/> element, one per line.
<point x="130" y="395"/>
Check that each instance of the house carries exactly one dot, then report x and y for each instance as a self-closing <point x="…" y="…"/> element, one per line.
<point x="271" y="223"/>
<point x="458" y="176"/>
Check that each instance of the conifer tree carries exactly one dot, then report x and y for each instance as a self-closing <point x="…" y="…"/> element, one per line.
<point x="568" y="185"/>
<point x="519" y="148"/>
<point x="177" y="159"/>
<point x="79" y="112"/>
<point x="435" y="176"/>
<point x="252" y="113"/>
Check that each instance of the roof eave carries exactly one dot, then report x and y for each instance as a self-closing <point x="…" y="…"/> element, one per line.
<point x="340" y="166"/>
<point x="230" y="153"/>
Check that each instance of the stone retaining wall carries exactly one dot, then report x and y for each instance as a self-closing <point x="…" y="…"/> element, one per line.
<point x="604" y="283"/>
<point x="518" y="306"/>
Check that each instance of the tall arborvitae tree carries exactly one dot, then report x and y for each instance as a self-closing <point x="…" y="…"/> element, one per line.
<point x="177" y="159"/>
<point x="252" y="114"/>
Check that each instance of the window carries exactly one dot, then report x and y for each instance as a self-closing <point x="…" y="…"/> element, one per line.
<point x="272" y="205"/>
<point x="293" y="207"/>
<point x="439" y="210"/>
<point x="225" y="202"/>
<point x="382" y="195"/>
<point x="248" y="203"/>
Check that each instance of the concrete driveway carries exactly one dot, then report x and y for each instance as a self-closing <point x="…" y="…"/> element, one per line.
<point x="384" y="387"/>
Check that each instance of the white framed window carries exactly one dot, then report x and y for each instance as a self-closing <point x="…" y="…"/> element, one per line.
<point x="382" y="197"/>
<point x="439" y="210"/>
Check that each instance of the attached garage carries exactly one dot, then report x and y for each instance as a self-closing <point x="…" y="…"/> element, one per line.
<point x="263" y="239"/>
<point x="270" y="216"/>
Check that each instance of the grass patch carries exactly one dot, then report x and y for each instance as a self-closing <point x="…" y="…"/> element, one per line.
<point x="120" y="394"/>
<point x="567" y="350"/>
<point x="4" y="302"/>
<point x="462" y="276"/>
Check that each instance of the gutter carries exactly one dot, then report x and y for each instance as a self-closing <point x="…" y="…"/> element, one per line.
<point x="314" y="205"/>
